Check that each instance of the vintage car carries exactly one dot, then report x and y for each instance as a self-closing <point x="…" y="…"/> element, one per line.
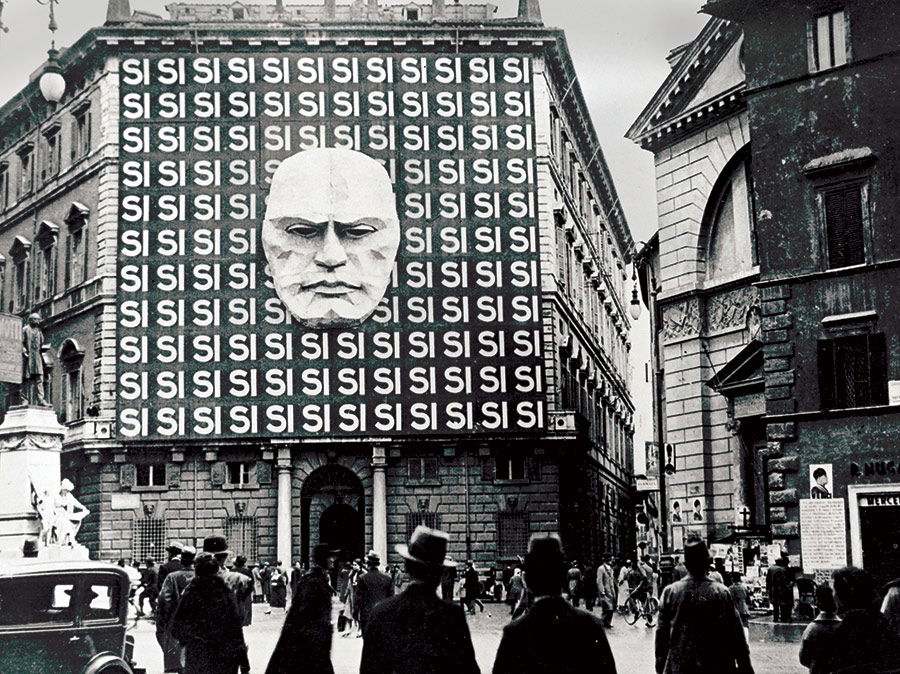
<point x="61" y="617"/>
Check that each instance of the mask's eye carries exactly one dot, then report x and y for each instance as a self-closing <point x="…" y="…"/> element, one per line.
<point x="306" y="230"/>
<point x="357" y="230"/>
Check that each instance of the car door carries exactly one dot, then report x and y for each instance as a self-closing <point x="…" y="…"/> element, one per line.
<point x="38" y="624"/>
<point x="102" y="609"/>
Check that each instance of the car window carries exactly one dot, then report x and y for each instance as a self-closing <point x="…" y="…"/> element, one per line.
<point x="102" y="599"/>
<point x="36" y="600"/>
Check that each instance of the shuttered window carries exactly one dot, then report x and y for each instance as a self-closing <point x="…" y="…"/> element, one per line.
<point x="853" y="371"/>
<point x="844" y="226"/>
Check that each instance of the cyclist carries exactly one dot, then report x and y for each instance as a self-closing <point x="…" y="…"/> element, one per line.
<point x="638" y="583"/>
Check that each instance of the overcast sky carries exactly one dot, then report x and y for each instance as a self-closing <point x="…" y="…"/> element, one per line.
<point x="619" y="48"/>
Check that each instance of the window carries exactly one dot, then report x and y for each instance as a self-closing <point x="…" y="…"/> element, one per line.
<point x="71" y="357"/>
<point x="148" y="536"/>
<point x="19" y="252"/>
<point x="46" y="261"/>
<point x="40" y="599"/>
<point x="511" y="468"/>
<point x="4" y="185"/>
<point x="422" y="469"/>
<point x="238" y="13"/>
<point x="238" y="473"/>
<point x="76" y="249"/>
<point x="150" y="475"/>
<point x="412" y="14"/>
<point x="828" y="40"/>
<point x="430" y="519"/>
<point x="728" y="226"/>
<point x="26" y="168"/>
<point x="842" y="208"/>
<point x="513" y="533"/>
<point x="102" y="600"/>
<point x="81" y="131"/>
<point x="241" y="534"/>
<point x="52" y="153"/>
<point x="853" y="371"/>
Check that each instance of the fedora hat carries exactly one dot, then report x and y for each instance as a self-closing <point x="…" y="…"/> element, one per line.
<point x="373" y="558"/>
<point x="543" y="552"/>
<point x="696" y="552"/>
<point x="426" y="546"/>
<point x="175" y="546"/>
<point x="216" y="545"/>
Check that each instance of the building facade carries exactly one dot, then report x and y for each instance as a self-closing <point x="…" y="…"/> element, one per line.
<point x="487" y="395"/>
<point x="800" y="390"/>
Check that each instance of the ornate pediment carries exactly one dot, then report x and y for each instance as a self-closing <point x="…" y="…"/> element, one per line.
<point x="706" y="82"/>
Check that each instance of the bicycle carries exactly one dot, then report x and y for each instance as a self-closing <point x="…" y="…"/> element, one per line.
<point x="637" y="609"/>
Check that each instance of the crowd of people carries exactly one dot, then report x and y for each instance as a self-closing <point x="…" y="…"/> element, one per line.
<point x="201" y="606"/>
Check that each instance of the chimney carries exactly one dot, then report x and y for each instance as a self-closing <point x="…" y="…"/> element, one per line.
<point x="439" y="9"/>
<point x="330" y="9"/>
<point x="118" y="11"/>
<point x="530" y="11"/>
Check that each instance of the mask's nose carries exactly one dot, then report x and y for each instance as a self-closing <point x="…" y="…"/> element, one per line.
<point x="332" y="253"/>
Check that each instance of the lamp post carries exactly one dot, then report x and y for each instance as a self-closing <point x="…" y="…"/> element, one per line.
<point x="52" y="84"/>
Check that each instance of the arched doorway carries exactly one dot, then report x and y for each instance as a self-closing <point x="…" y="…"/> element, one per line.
<point x="332" y="512"/>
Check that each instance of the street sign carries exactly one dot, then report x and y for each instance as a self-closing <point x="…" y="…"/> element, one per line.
<point x="10" y="349"/>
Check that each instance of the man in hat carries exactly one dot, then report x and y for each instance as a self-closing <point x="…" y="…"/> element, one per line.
<point x="606" y="590"/>
<point x="372" y="588"/>
<point x="416" y="632"/>
<point x="780" y="586"/>
<point x="700" y="631"/>
<point x="553" y="636"/>
<point x="166" y="605"/>
<point x="306" y="635"/>
<point x="241" y="586"/>
<point x="173" y="563"/>
<point x="448" y="579"/>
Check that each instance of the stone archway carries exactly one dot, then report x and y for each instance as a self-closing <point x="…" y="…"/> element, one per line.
<point x="333" y="512"/>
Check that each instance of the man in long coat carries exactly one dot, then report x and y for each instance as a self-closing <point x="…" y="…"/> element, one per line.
<point x="305" y="641"/>
<point x="166" y="606"/>
<point x="173" y="563"/>
<point x="699" y="629"/>
<point x="416" y="632"/>
<point x="371" y="589"/>
<point x="606" y="589"/>
<point x="553" y="636"/>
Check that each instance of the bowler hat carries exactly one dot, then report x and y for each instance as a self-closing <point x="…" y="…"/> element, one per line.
<point x="426" y="546"/>
<point x="695" y="552"/>
<point x="215" y="545"/>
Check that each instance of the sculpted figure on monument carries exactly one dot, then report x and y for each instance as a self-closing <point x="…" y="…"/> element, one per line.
<point x="32" y="391"/>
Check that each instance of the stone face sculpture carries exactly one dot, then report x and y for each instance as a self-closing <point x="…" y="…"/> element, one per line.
<point x="32" y="390"/>
<point x="331" y="235"/>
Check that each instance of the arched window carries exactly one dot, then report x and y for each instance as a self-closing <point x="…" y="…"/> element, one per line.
<point x="730" y="234"/>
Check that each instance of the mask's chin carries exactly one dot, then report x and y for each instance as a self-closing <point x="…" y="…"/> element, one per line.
<point x="331" y="318"/>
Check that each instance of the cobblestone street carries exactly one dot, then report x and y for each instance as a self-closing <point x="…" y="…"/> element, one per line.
<point x="773" y="648"/>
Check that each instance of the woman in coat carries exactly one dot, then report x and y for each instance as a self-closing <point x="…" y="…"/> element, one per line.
<point x="278" y="587"/>
<point x="516" y="588"/>
<point x="208" y="625"/>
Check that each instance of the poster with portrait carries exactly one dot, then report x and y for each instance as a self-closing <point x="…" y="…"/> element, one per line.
<point x="677" y="512"/>
<point x="820" y="481"/>
<point x="328" y="244"/>
<point x="695" y="509"/>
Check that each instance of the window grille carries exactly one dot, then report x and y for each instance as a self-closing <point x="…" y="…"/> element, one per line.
<point x="432" y="520"/>
<point x="241" y="535"/>
<point x="148" y="538"/>
<point x="513" y="533"/>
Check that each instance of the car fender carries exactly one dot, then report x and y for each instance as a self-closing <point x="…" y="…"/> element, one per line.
<point x="105" y="663"/>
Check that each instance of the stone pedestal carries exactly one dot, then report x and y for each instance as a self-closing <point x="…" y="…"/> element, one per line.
<point x="30" y="445"/>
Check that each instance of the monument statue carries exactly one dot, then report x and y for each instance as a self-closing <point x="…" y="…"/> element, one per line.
<point x="60" y="517"/>
<point x="32" y="391"/>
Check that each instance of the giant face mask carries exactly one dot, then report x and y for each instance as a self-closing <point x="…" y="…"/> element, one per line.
<point x="331" y="235"/>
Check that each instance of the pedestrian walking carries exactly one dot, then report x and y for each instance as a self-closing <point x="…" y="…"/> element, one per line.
<point x="471" y="588"/>
<point x="244" y="590"/>
<point x="372" y="589"/>
<point x="780" y="587"/>
<point x="278" y="588"/>
<point x="305" y="641"/>
<point x="516" y="589"/>
<point x="820" y="632"/>
<point x="741" y="595"/>
<point x="699" y="629"/>
<point x="257" y="584"/>
<point x="448" y="579"/>
<point x="266" y="577"/>
<point x="573" y="584"/>
<point x="173" y="563"/>
<point x="149" y="587"/>
<point x="553" y="637"/>
<point x="864" y="642"/>
<point x="208" y="624"/>
<point x="622" y="581"/>
<point x="167" y="605"/>
<point x="416" y="632"/>
<point x="296" y="574"/>
<point x="606" y="590"/>
<point x="589" y="589"/>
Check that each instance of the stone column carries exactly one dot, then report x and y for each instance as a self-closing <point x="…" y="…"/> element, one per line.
<point x="284" y="538"/>
<point x="379" y="503"/>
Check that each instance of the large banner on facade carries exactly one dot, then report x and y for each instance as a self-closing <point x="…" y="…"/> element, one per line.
<point x="327" y="245"/>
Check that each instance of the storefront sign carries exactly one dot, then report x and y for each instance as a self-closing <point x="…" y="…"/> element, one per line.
<point x="10" y="349"/>
<point x="328" y="245"/>
<point x="879" y="500"/>
<point x="823" y="534"/>
<point x="874" y="468"/>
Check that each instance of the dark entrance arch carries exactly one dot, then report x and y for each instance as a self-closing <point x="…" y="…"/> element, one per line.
<point x="332" y="508"/>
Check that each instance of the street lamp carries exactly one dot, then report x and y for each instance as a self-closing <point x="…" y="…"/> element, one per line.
<point x="52" y="83"/>
<point x="634" y="309"/>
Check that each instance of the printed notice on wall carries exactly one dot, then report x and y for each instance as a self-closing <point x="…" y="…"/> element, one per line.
<point x="823" y="534"/>
<point x="328" y="245"/>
